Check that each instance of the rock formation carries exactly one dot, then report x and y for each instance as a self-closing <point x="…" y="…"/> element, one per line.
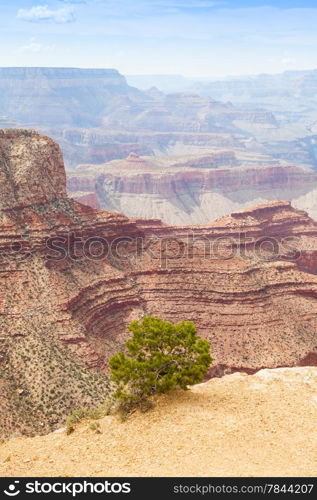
<point x="73" y="277"/>
<point x="194" y="190"/>
<point x="71" y="103"/>
<point x="102" y="97"/>
<point x="96" y="116"/>
<point x="69" y="96"/>
<point x="277" y="89"/>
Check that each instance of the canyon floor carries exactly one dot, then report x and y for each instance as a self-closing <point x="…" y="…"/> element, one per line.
<point x="239" y="425"/>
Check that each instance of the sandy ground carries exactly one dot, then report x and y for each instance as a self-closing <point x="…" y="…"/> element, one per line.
<point x="240" y="425"/>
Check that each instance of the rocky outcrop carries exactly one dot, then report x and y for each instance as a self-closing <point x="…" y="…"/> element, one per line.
<point x="90" y="98"/>
<point x="134" y="162"/>
<point x="195" y="190"/>
<point x="87" y="198"/>
<point x="85" y="146"/>
<point x="264" y="88"/>
<point x="73" y="277"/>
<point x="25" y="157"/>
<point x="61" y="96"/>
<point x="41" y="379"/>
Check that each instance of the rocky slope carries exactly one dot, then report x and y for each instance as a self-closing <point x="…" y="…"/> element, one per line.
<point x="73" y="277"/>
<point x="301" y="83"/>
<point x="61" y="96"/>
<point x="290" y="96"/>
<point x="102" y="97"/>
<point x="97" y="145"/>
<point x="240" y="425"/>
<point x="267" y="89"/>
<point x="96" y="116"/>
<point x="194" y="189"/>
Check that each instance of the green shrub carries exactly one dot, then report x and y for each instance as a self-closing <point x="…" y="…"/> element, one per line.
<point x="95" y="427"/>
<point x="77" y="416"/>
<point x="159" y="357"/>
<point x="81" y="414"/>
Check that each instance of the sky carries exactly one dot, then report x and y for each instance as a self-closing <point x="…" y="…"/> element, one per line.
<point x="194" y="38"/>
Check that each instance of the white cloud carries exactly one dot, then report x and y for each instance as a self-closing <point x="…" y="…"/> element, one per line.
<point x="34" y="46"/>
<point x="43" y="14"/>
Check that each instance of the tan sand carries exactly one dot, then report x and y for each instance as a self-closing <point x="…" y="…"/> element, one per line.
<point x="240" y="425"/>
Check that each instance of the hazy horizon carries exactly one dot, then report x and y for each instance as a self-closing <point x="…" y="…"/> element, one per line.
<point x="195" y="39"/>
<point x="193" y="77"/>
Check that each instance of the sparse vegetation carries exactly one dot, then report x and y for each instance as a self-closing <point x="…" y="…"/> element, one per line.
<point x="159" y="357"/>
<point x="81" y="414"/>
<point x="95" y="427"/>
<point x="39" y="400"/>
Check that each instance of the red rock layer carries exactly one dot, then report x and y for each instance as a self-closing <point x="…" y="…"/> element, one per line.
<point x="89" y="199"/>
<point x="194" y="182"/>
<point x="248" y="281"/>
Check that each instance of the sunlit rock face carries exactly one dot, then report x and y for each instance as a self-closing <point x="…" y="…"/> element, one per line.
<point x="193" y="190"/>
<point x="248" y="281"/>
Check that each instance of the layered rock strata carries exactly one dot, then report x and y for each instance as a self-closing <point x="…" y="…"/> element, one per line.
<point x="190" y="192"/>
<point x="73" y="277"/>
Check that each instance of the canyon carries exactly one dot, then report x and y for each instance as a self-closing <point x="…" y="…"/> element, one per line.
<point x="289" y="96"/>
<point x="259" y="89"/>
<point x="73" y="277"/>
<point x="60" y="96"/>
<point x="96" y="116"/>
<point x="192" y="189"/>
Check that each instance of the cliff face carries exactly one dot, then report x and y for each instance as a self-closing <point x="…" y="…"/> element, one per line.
<point x="97" y="146"/>
<point x="264" y="88"/>
<point x="42" y="380"/>
<point x="60" y="96"/>
<point x="73" y="277"/>
<point x="193" y="191"/>
<point x="63" y="97"/>
<point x="25" y="154"/>
<point x="96" y="116"/>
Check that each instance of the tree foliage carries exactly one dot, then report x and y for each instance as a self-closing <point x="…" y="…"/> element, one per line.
<point x="159" y="357"/>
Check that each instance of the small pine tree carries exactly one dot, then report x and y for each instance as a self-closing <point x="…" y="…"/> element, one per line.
<point x="159" y="357"/>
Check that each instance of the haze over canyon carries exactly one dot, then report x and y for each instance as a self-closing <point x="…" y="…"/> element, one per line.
<point x="205" y="150"/>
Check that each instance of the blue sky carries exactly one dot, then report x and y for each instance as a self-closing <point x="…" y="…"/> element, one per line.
<point x="190" y="37"/>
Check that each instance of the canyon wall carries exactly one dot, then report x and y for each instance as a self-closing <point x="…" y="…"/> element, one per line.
<point x="60" y="96"/>
<point x="96" y="116"/>
<point x="73" y="277"/>
<point x="192" y="191"/>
